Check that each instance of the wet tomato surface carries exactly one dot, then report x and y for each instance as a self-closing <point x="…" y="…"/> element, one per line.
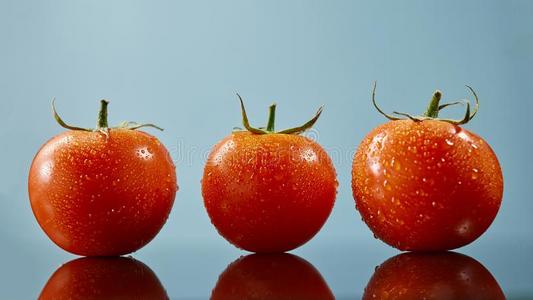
<point x="102" y="193"/>
<point x="268" y="192"/>
<point x="426" y="184"/>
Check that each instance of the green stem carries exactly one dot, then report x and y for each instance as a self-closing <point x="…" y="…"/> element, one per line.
<point x="101" y="124"/>
<point x="432" y="112"/>
<point x="433" y="107"/>
<point x="271" y="117"/>
<point x="102" y="115"/>
<point x="271" y="120"/>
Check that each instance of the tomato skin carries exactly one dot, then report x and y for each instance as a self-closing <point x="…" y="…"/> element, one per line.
<point x="268" y="193"/>
<point x="271" y="276"/>
<point x="426" y="186"/>
<point x="98" y="195"/>
<point x="103" y="278"/>
<point x="445" y="275"/>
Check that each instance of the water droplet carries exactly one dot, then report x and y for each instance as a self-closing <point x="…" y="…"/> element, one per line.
<point x="449" y="142"/>
<point x="475" y="173"/>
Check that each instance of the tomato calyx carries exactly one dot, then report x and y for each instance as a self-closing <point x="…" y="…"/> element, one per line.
<point x="269" y="129"/>
<point x="433" y="109"/>
<point x="101" y="123"/>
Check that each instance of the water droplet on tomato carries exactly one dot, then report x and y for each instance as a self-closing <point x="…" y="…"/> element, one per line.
<point x="475" y="173"/>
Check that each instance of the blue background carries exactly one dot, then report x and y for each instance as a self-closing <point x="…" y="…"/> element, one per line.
<point x="179" y="64"/>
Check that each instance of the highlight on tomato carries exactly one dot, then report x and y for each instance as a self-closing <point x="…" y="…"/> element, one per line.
<point x="102" y="192"/>
<point x="271" y="276"/>
<point x="423" y="183"/>
<point x="266" y="190"/>
<point x="443" y="275"/>
<point x="103" y="278"/>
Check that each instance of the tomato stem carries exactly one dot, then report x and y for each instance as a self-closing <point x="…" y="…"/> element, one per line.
<point x="271" y="117"/>
<point x="433" y="107"/>
<point x="432" y="112"/>
<point x="101" y="124"/>
<point x="102" y="115"/>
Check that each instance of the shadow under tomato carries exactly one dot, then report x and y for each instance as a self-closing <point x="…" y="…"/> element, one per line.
<point x="103" y="278"/>
<point x="444" y="275"/>
<point x="271" y="276"/>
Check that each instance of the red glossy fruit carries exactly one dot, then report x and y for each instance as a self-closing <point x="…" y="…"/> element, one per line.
<point x="435" y="276"/>
<point x="103" y="192"/>
<point x="426" y="183"/>
<point x="266" y="191"/>
<point x="103" y="278"/>
<point x="271" y="276"/>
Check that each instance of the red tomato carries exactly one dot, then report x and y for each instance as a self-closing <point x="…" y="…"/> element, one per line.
<point x="103" y="278"/>
<point x="266" y="191"/>
<point x="445" y="275"/>
<point x="425" y="183"/>
<point x="271" y="276"/>
<point x="104" y="192"/>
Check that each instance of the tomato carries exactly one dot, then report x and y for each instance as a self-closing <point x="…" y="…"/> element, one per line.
<point x="103" y="278"/>
<point x="430" y="276"/>
<point x="268" y="191"/>
<point x="426" y="184"/>
<point x="102" y="192"/>
<point x="271" y="276"/>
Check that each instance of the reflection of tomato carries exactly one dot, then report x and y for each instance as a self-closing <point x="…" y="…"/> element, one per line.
<point x="271" y="276"/>
<point x="103" y="192"/>
<point x="426" y="183"/>
<point x="268" y="191"/>
<point x="445" y="275"/>
<point x="103" y="278"/>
